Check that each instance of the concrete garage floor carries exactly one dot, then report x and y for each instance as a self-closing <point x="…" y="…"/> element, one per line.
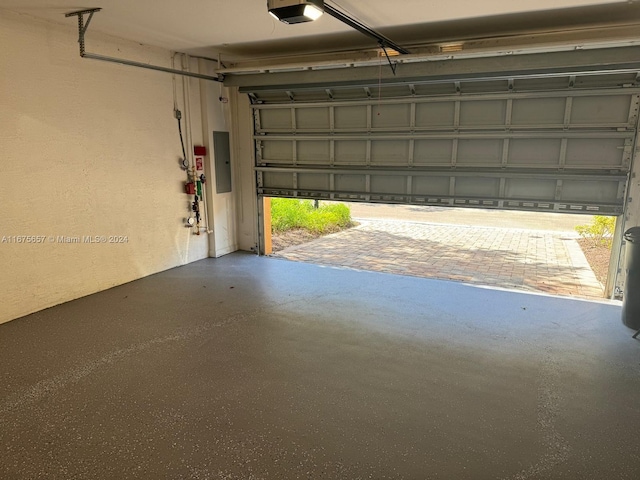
<point x="248" y="368"/>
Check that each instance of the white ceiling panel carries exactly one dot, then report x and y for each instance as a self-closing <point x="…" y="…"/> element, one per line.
<point x="244" y="29"/>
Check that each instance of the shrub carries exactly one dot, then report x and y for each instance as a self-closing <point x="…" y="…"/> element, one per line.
<point x="287" y="213"/>
<point x="600" y="230"/>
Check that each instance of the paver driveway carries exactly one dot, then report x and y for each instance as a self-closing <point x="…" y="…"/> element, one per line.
<point x="538" y="261"/>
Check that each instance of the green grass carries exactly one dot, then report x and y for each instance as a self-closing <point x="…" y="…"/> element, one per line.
<point x="287" y="214"/>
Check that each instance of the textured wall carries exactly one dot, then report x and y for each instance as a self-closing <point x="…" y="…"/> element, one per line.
<point x="86" y="149"/>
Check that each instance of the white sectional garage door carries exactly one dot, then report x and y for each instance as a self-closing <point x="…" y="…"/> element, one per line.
<point x="549" y="144"/>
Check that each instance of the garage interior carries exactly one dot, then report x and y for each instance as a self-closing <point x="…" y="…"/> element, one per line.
<point x="136" y="343"/>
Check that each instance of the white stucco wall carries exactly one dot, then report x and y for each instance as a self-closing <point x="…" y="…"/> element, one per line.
<point x="87" y="148"/>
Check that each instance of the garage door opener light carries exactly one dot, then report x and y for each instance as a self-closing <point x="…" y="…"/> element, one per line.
<point x="295" y="11"/>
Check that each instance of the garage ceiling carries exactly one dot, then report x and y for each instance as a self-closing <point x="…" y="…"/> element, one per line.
<point x="242" y="29"/>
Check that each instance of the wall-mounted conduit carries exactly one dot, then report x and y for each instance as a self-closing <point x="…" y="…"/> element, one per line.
<point x="82" y="30"/>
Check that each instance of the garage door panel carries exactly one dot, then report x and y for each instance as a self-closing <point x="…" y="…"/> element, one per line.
<point x="538" y="111"/>
<point x="350" y="153"/>
<point x="483" y="113"/>
<point x="350" y="183"/>
<point x="597" y="152"/>
<point x="477" y="187"/>
<point x="350" y="117"/>
<point x="604" y="109"/>
<point x="480" y="152"/>
<point x="275" y="151"/>
<point x="390" y="152"/>
<point x="431" y="185"/>
<point x="389" y="184"/>
<point x="535" y="152"/>
<point x="435" y="114"/>
<point x="530" y="188"/>
<point x="310" y="181"/>
<point x="589" y="191"/>
<point x="391" y="117"/>
<point x="312" y="118"/>
<point x="530" y="192"/>
<point x="432" y="152"/>
<point x="559" y="143"/>
<point x="278" y="179"/>
<point x="274" y="119"/>
<point x="313" y="152"/>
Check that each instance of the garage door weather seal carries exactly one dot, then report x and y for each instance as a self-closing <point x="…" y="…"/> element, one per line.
<point x="82" y="30"/>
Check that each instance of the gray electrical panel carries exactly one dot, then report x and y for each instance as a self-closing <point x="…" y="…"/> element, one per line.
<point x="222" y="160"/>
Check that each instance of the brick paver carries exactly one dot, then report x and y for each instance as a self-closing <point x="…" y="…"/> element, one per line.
<point x="539" y="261"/>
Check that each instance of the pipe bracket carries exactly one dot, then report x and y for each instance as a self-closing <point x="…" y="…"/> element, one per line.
<point x="82" y="30"/>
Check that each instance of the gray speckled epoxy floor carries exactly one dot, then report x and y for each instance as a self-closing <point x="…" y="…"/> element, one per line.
<point x="250" y="368"/>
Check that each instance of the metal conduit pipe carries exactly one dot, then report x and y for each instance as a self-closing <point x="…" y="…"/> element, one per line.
<point x="149" y="67"/>
<point x="82" y="30"/>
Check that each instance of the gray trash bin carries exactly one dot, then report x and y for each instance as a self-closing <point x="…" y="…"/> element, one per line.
<point x="631" y="300"/>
